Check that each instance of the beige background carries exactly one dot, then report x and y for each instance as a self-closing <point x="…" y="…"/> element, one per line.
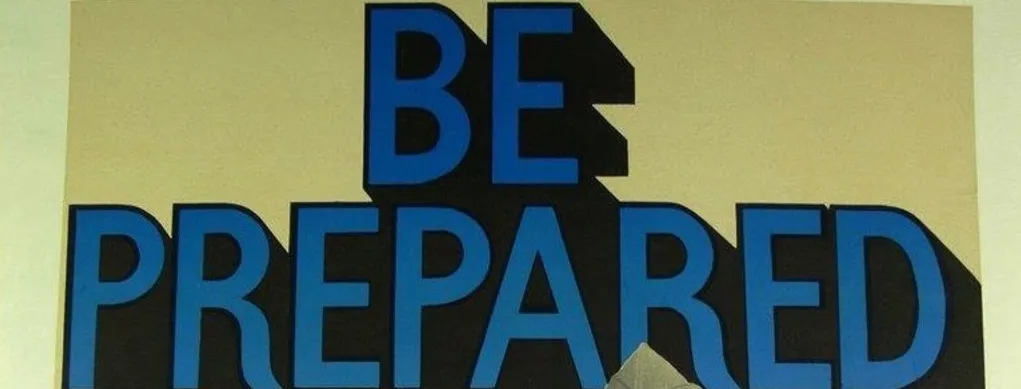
<point x="30" y="259"/>
<point x="260" y="103"/>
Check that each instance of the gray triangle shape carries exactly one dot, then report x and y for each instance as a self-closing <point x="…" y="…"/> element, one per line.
<point x="645" y="369"/>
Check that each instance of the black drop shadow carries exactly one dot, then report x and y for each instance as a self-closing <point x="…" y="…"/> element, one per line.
<point x="592" y="71"/>
<point x="811" y="334"/>
<point x="893" y="314"/>
<point x="220" y="350"/>
<point x="669" y="333"/>
<point x="134" y="341"/>
<point x="961" y="363"/>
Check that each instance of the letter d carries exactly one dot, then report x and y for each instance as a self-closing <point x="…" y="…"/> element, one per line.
<point x="854" y="226"/>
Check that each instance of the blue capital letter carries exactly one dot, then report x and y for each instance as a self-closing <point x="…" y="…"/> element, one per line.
<point x="857" y="371"/>
<point x="758" y="228"/>
<point x="86" y="293"/>
<point x="194" y="293"/>
<point x="387" y="93"/>
<point x="413" y="291"/>
<point x="639" y="293"/>
<point x="539" y="236"/>
<point x="511" y="95"/>
<point x="312" y="294"/>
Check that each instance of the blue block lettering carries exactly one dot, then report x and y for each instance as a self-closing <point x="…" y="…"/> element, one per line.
<point x="857" y="370"/>
<point x="413" y="291"/>
<point x="313" y="294"/>
<point x="510" y="95"/>
<point x="539" y="237"/>
<point x="192" y="224"/>
<point x="88" y="225"/>
<point x="759" y="225"/>
<point x="387" y="93"/>
<point x="639" y="293"/>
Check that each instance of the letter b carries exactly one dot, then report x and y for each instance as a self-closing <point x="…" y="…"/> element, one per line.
<point x="386" y="93"/>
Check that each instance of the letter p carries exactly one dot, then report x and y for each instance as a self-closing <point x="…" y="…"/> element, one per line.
<point x="86" y="293"/>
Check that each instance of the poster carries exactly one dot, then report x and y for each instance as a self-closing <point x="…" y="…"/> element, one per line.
<point x="769" y="194"/>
